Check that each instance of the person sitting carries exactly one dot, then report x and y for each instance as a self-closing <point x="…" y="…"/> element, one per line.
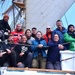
<point x="9" y="56"/>
<point x="38" y="48"/>
<point x="4" y="27"/>
<point x="17" y="33"/>
<point x="53" y="54"/>
<point x="69" y="38"/>
<point x="23" y="52"/>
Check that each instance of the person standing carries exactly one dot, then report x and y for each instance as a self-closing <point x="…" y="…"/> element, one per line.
<point x="48" y="35"/>
<point x="60" y="30"/>
<point x="38" y="49"/>
<point x="34" y="30"/>
<point x="53" y="54"/>
<point x="69" y="38"/>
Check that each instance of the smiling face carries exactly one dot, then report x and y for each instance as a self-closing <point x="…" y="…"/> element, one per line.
<point x="11" y="39"/>
<point x="56" y="37"/>
<point x="28" y="33"/>
<point x="23" y="39"/>
<point x="59" y="24"/>
<point x="39" y="35"/>
<point x="71" y="29"/>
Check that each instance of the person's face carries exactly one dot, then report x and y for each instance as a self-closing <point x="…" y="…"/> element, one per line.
<point x="10" y="39"/>
<point x="38" y="35"/>
<point x="6" y="18"/>
<point x="71" y="29"/>
<point x="28" y="33"/>
<point x="59" y="24"/>
<point x="34" y="31"/>
<point x="18" y="27"/>
<point x="56" y="38"/>
<point x="23" y="39"/>
<point x="47" y="29"/>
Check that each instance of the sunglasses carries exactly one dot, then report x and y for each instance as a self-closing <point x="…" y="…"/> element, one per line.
<point x="48" y="28"/>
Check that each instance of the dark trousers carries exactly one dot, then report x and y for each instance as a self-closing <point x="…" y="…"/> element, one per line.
<point x="1" y="61"/>
<point x="54" y="65"/>
<point x="26" y="60"/>
<point x="10" y="59"/>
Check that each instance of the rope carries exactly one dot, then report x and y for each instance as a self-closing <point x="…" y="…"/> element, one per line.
<point x="6" y="42"/>
<point x="68" y="58"/>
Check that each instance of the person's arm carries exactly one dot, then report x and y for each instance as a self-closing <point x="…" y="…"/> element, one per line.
<point x="45" y="47"/>
<point x="68" y="38"/>
<point x="51" y="44"/>
<point x="34" y="47"/>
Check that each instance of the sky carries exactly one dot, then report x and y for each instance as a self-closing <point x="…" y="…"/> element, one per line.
<point x="68" y="18"/>
<point x="4" y="6"/>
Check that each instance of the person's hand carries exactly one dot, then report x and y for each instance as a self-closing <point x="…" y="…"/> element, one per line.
<point x="40" y="45"/>
<point x="60" y="46"/>
<point x="1" y="54"/>
<point x="21" y="54"/>
<point x="9" y="51"/>
<point x="8" y="31"/>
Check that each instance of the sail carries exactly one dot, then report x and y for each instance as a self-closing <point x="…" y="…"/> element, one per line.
<point x="40" y="13"/>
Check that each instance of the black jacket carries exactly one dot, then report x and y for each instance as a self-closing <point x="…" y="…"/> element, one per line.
<point x="4" y="25"/>
<point x="22" y="48"/>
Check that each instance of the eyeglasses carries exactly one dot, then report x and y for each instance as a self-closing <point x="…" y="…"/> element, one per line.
<point x="48" y="28"/>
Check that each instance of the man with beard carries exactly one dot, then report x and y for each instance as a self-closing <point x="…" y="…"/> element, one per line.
<point x="70" y="37"/>
<point x="60" y="30"/>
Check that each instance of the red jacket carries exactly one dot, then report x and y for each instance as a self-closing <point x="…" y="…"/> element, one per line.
<point x="17" y="35"/>
<point x="47" y="36"/>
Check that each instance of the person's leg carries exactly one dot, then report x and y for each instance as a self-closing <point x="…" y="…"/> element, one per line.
<point x="1" y="61"/>
<point x="43" y="63"/>
<point x="6" y="64"/>
<point x="29" y="60"/>
<point x="57" y="65"/>
<point x="35" y="63"/>
<point x="13" y="58"/>
<point x="50" y="65"/>
<point x="20" y="65"/>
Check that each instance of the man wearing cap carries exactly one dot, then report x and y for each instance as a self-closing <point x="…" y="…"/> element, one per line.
<point x="48" y="34"/>
<point x="4" y="26"/>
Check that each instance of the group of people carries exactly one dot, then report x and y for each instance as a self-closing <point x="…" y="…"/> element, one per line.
<point x="31" y="48"/>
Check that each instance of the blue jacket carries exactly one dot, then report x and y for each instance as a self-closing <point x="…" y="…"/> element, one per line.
<point x="60" y="33"/>
<point x="37" y="50"/>
<point x="53" y="54"/>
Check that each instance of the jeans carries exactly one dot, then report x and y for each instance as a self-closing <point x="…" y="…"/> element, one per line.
<point x="54" y="65"/>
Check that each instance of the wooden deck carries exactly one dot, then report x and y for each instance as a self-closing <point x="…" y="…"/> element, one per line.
<point x="42" y="70"/>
